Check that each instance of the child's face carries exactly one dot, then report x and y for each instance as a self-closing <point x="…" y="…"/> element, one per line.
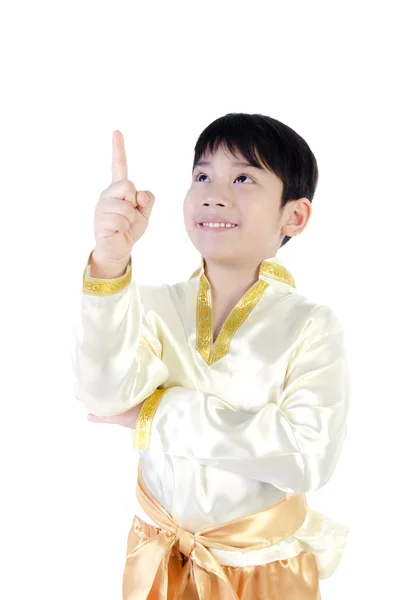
<point x="243" y="195"/>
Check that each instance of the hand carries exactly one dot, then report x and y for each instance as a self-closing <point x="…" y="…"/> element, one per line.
<point x="127" y="419"/>
<point x="121" y="214"/>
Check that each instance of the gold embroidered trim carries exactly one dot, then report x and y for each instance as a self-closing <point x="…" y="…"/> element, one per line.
<point x="236" y="318"/>
<point x="269" y="269"/>
<point x="106" y="287"/>
<point x="204" y="319"/>
<point x="210" y="351"/>
<point x="144" y="423"/>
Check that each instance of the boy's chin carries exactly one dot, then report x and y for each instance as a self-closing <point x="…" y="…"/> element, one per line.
<point x="215" y="251"/>
<point x="217" y="254"/>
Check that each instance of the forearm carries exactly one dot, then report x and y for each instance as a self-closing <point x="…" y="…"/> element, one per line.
<point x="266" y="446"/>
<point x="293" y="444"/>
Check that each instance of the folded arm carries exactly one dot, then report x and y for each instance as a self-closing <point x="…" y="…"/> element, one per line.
<point x="294" y="444"/>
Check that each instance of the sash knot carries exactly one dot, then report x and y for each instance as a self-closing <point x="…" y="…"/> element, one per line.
<point x="186" y="541"/>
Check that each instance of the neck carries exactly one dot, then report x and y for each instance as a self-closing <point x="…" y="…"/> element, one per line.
<point x="231" y="279"/>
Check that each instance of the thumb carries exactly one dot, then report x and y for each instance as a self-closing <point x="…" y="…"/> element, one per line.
<point x="145" y="201"/>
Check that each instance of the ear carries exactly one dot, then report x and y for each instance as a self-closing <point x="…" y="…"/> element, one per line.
<point x="296" y="217"/>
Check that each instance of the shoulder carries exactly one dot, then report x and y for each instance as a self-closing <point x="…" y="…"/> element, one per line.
<point x="157" y="297"/>
<point x="313" y="318"/>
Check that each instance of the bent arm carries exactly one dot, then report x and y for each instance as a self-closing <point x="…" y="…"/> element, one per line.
<point x="116" y="357"/>
<point x="294" y="444"/>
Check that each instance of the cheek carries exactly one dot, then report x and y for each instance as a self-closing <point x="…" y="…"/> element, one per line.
<point x="188" y="214"/>
<point x="257" y="223"/>
<point x="253" y="215"/>
<point x="189" y="207"/>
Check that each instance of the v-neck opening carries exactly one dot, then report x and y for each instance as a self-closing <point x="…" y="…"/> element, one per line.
<point x="214" y="350"/>
<point x="234" y="309"/>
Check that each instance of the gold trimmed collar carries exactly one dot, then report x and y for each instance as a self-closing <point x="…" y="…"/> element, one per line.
<point x="271" y="272"/>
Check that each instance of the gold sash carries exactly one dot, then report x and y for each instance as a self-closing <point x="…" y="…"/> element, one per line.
<point x="149" y="560"/>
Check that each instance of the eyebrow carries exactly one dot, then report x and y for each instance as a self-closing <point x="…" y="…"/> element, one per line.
<point x="206" y="163"/>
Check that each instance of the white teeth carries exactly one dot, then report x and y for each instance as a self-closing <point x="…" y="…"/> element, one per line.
<point x="218" y="225"/>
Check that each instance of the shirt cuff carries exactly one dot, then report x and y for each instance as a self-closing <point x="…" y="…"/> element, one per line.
<point x="145" y="418"/>
<point x="105" y="287"/>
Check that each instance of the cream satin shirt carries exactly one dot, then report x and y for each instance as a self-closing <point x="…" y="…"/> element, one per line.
<point x="244" y="422"/>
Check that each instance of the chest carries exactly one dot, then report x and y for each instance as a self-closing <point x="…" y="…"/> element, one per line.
<point x="241" y="357"/>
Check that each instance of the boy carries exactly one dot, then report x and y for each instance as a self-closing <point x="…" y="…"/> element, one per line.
<point x="234" y="384"/>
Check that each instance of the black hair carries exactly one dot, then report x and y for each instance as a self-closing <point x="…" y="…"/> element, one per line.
<point x="262" y="138"/>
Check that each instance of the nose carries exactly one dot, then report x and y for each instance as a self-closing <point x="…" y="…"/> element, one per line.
<point x="217" y="197"/>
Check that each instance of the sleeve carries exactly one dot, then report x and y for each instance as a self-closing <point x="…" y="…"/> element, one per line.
<point x="116" y="358"/>
<point x="293" y="444"/>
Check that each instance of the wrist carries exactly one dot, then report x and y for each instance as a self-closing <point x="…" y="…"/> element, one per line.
<point x="103" y="268"/>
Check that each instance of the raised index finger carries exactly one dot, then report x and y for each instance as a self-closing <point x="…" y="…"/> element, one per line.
<point x="119" y="158"/>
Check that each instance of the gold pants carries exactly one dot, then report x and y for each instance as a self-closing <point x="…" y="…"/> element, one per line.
<point x="293" y="578"/>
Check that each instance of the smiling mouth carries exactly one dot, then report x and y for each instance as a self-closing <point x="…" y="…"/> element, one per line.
<point x="218" y="226"/>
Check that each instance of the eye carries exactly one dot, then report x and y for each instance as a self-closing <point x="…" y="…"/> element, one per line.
<point x="243" y="175"/>
<point x="197" y="177"/>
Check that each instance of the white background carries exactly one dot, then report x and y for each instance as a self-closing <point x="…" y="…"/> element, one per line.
<point x="71" y="73"/>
